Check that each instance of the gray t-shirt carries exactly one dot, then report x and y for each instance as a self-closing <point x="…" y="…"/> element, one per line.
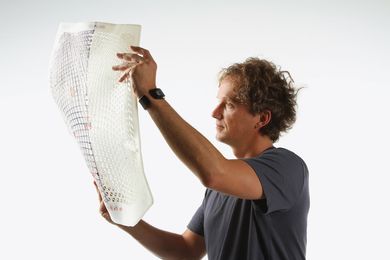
<point x="271" y="228"/>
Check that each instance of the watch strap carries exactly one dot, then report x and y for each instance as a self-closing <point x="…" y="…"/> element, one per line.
<point x="156" y="93"/>
<point x="145" y="102"/>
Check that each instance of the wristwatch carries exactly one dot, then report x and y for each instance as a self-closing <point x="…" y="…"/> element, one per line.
<point x="155" y="93"/>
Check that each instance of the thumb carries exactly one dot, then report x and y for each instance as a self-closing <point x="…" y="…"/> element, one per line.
<point x="97" y="190"/>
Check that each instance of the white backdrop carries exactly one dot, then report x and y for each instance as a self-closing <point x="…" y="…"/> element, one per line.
<point x="338" y="50"/>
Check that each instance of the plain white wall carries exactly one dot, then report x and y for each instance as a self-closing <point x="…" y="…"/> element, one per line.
<point x="338" y="50"/>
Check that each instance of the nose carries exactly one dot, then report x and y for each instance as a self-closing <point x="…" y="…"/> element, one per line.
<point x="217" y="113"/>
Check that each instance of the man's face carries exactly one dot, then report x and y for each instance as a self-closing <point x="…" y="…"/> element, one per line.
<point x="234" y="123"/>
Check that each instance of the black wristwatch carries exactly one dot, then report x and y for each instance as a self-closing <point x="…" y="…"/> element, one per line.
<point x="155" y="93"/>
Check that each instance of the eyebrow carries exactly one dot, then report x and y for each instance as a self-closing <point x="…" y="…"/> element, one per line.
<point x="228" y="98"/>
<point x="233" y="99"/>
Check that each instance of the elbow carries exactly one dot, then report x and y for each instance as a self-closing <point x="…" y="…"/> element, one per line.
<point x="211" y="179"/>
<point x="208" y="182"/>
<point x="212" y="175"/>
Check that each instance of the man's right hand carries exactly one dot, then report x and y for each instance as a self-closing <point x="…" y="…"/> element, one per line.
<point x="165" y="245"/>
<point x="102" y="208"/>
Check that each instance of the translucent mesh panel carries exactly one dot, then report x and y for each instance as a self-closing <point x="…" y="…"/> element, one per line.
<point x="101" y="113"/>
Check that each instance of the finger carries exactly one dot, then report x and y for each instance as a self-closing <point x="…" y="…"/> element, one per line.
<point x="102" y="208"/>
<point x="106" y="215"/>
<point x="104" y="212"/>
<point x="123" y="66"/>
<point x="132" y="57"/>
<point x="125" y="75"/>
<point x="98" y="192"/>
<point x="120" y="67"/>
<point x="144" y="52"/>
<point x="137" y="49"/>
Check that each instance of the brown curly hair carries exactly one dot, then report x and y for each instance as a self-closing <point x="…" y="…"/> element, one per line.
<point x="263" y="86"/>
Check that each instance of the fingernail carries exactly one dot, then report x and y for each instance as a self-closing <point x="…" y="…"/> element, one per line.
<point x="120" y="55"/>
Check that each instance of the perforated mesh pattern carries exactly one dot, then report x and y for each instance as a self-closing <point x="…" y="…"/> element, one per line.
<point x="69" y="87"/>
<point x="102" y="115"/>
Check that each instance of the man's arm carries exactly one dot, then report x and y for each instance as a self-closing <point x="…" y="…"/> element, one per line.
<point x="234" y="177"/>
<point x="167" y="245"/>
<point x="163" y="244"/>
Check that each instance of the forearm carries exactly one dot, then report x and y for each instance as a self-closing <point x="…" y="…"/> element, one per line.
<point x="163" y="244"/>
<point x="188" y="144"/>
<point x="200" y="156"/>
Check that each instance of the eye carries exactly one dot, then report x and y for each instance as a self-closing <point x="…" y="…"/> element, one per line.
<point x="229" y="105"/>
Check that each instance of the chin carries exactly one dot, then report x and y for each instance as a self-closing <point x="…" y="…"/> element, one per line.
<point x="221" y="138"/>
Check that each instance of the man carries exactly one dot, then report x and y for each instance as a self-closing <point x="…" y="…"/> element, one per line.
<point x="255" y="206"/>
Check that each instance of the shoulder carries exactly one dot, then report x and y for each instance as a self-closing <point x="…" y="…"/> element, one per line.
<point x="278" y="154"/>
<point x="286" y="155"/>
<point x="283" y="176"/>
<point x="278" y="160"/>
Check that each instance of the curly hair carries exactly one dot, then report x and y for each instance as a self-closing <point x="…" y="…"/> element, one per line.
<point x="263" y="86"/>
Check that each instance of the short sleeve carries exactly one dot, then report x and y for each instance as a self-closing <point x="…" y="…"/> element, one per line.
<point x="282" y="175"/>
<point x="197" y="222"/>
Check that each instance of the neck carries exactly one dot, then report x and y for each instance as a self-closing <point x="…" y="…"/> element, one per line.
<point x="253" y="148"/>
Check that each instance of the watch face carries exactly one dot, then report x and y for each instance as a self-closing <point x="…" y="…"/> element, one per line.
<point x="157" y="93"/>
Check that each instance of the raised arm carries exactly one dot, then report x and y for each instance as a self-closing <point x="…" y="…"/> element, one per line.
<point x="233" y="177"/>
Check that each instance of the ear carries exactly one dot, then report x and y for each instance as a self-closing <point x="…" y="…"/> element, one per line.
<point x="264" y="118"/>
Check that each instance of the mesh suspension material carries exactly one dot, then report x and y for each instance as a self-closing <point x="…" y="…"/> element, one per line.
<point x="101" y="113"/>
